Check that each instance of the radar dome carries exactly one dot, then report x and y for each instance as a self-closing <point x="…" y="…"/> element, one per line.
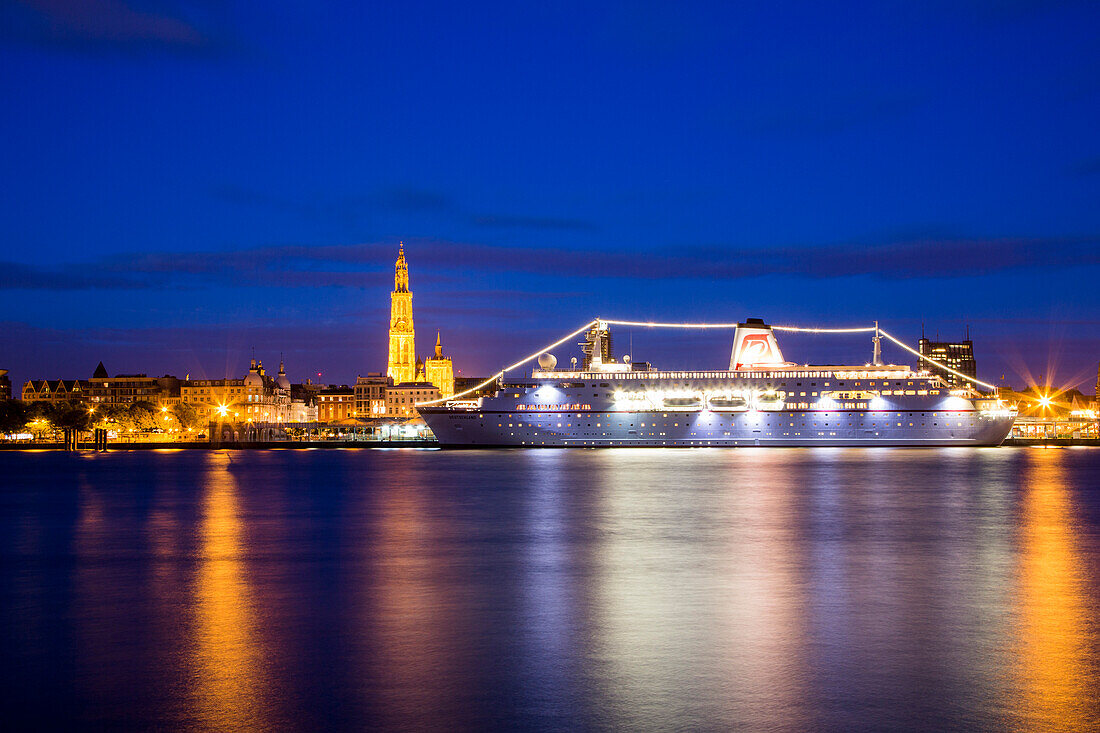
<point x="548" y="362"/>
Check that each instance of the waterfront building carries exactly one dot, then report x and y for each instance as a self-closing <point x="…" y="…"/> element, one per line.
<point x="257" y="397"/>
<point x="54" y="390"/>
<point x="103" y="389"/>
<point x="303" y="402"/>
<point x="5" y="385"/>
<point x="439" y="370"/>
<point x="129" y="388"/>
<point x="336" y="403"/>
<point x="959" y="355"/>
<point x="401" y="366"/>
<point x="370" y="394"/>
<point x="401" y="399"/>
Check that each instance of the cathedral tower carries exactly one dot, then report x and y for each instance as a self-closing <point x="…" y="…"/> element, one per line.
<point x="402" y="358"/>
<point x="440" y="371"/>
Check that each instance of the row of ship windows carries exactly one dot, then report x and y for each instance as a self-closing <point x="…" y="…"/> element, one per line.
<point x="726" y="375"/>
<point x="885" y="392"/>
<point x="820" y="433"/>
<point x="874" y="424"/>
<point x="608" y="415"/>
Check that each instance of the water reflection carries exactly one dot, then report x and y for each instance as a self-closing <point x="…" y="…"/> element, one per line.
<point x="416" y="635"/>
<point x="1057" y="675"/>
<point x="558" y="590"/>
<point x="228" y="683"/>
<point x="697" y="594"/>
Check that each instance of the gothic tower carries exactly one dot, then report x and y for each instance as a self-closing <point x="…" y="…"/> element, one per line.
<point x="402" y="359"/>
<point x="439" y="370"/>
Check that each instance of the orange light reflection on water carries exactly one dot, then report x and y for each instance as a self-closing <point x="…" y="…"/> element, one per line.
<point x="1055" y="678"/>
<point x="228" y="681"/>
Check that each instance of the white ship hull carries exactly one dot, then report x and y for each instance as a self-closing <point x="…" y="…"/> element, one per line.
<point x="761" y="400"/>
<point x="540" y="413"/>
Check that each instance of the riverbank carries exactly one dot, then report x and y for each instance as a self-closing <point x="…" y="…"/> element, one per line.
<point x="257" y="445"/>
<point x="390" y="444"/>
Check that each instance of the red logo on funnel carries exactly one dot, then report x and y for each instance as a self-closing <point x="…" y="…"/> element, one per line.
<point x="755" y="348"/>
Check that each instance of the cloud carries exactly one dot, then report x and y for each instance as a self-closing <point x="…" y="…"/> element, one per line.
<point x="18" y="276"/>
<point x="96" y="26"/>
<point x="369" y="265"/>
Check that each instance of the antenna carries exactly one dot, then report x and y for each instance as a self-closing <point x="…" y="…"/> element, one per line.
<point x="876" y="358"/>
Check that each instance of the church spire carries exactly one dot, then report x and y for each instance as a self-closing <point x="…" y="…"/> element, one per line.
<point x="438" y="346"/>
<point x="402" y="350"/>
<point x="401" y="271"/>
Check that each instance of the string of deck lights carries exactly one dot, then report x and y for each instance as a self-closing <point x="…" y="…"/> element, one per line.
<point x="655" y="324"/>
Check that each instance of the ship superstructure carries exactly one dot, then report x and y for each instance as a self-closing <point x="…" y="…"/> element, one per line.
<point x="761" y="400"/>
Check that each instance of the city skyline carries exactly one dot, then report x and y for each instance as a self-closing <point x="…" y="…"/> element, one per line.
<point x="186" y="185"/>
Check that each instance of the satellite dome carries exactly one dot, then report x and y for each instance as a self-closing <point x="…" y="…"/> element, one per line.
<point x="547" y="362"/>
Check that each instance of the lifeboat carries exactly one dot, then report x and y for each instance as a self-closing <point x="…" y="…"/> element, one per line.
<point x="729" y="404"/>
<point x="683" y="403"/>
<point x="770" y="401"/>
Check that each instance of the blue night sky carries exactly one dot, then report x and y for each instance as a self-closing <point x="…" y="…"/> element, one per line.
<point x="183" y="182"/>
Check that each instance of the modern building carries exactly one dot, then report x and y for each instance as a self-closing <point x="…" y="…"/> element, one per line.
<point x="464" y="383"/>
<point x="401" y="399"/>
<point x="440" y="371"/>
<point x="5" y="385"/>
<point x="124" y="389"/>
<point x="959" y="355"/>
<point x="336" y="403"/>
<point x="401" y="365"/>
<point x="370" y="394"/>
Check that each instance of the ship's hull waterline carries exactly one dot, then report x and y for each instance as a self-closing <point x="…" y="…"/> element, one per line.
<point x="700" y="430"/>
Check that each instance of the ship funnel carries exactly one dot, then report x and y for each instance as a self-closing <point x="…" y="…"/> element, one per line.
<point x="754" y="344"/>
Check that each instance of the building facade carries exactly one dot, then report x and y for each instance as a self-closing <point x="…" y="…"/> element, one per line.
<point x="336" y="403"/>
<point x="54" y="390"/>
<point x="5" y="385"/>
<point x="401" y="399"/>
<point x="303" y="402"/>
<point x="959" y="355"/>
<point x="370" y="395"/>
<point x="103" y="389"/>
<point x="124" y="389"/>
<point x="257" y="397"/>
<point x="401" y="365"/>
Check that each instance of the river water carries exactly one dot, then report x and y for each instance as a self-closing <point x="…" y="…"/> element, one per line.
<point x="640" y="589"/>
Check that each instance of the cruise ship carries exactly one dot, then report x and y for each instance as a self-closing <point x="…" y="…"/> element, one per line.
<point x="761" y="400"/>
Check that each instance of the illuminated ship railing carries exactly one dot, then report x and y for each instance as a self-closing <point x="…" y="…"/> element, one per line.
<point x="750" y="374"/>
